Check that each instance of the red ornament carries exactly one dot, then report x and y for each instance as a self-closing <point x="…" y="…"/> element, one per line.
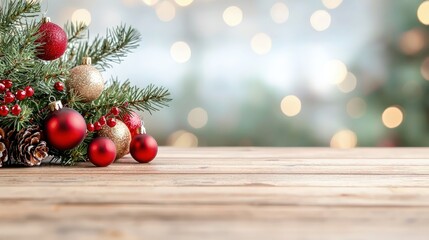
<point x="7" y="83"/>
<point x="65" y="129"/>
<point x="102" y="120"/>
<point x="16" y="110"/>
<point x="4" y="110"/>
<point x="143" y="148"/>
<point x="101" y="152"/>
<point x="52" y="40"/>
<point x="20" y="95"/>
<point x="115" y="111"/>
<point x="29" y="91"/>
<point x="59" y="86"/>
<point x="90" y="127"/>
<point x="133" y="122"/>
<point x="9" y="97"/>
<point x="111" y="122"/>
<point x="2" y="87"/>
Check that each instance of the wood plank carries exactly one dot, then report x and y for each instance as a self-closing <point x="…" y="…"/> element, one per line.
<point x="224" y="193"/>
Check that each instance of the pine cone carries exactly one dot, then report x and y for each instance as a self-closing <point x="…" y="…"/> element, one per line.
<point x="27" y="147"/>
<point x="4" y="154"/>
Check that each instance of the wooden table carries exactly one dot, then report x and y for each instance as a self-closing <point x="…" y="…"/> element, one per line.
<point x="224" y="193"/>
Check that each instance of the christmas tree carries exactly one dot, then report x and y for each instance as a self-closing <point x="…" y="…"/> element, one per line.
<point x="53" y="98"/>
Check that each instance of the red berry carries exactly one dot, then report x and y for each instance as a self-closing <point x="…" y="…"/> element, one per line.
<point x="2" y="87"/>
<point x="90" y="127"/>
<point x="29" y="91"/>
<point x="115" y="111"/>
<point x="9" y="97"/>
<point x="111" y="122"/>
<point x="20" y="95"/>
<point x="4" y="110"/>
<point x="7" y="83"/>
<point x="59" y="86"/>
<point x="102" y="120"/>
<point x="97" y="126"/>
<point x="16" y="110"/>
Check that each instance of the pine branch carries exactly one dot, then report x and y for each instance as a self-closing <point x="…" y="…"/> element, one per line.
<point x="109" y="49"/>
<point x="124" y="96"/>
<point x="13" y="11"/>
<point x="75" y="31"/>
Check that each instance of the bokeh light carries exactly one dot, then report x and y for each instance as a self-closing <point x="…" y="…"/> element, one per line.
<point x="180" y="52"/>
<point x="320" y="20"/>
<point x="197" y="117"/>
<point x="279" y="12"/>
<point x="412" y="41"/>
<point x="356" y="107"/>
<point x="331" y="4"/>
<point x="344" y="139"/>
<point x="261" y="43"/>
<point x="348" y="84"/>
<point x="291" y="105"/>
<point x="182" y="138"/>
<point x="423" y="13"/>
<point x="81" y="16"/>
<point x="424" y="69"/>
<point x="150" y="2"/>
<point x="183" y="3"/>
<point x="232" y="16"/>
<point x="165" y="11"/>
<point x="392" y="117"/>
<point x="335" y="71"/>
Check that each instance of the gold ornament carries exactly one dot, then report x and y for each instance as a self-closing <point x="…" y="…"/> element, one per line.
<point x="120" y="135"/>
<point x="86" y="81"/>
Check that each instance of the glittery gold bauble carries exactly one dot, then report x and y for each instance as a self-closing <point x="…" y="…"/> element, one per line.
<point x="120" y="135"/>
<point x="86" y="81"/>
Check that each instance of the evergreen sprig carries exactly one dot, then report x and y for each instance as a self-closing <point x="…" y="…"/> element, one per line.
<point x="109" y="49"/>
<point x="13" y="11"/>
<point x="124" y="96"/>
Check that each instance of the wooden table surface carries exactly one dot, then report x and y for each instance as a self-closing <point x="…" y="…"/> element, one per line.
<point x="224" y="193"/>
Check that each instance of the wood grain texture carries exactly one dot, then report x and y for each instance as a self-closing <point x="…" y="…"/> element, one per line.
<point x="224" y="193"/>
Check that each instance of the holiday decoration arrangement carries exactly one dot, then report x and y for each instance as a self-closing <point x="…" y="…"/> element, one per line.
<point x="54" y="103"/>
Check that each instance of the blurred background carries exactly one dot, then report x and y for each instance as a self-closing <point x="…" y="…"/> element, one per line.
<point x="339" y="73"/>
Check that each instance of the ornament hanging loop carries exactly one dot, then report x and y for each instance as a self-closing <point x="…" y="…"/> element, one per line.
<point x="55" y="105"/>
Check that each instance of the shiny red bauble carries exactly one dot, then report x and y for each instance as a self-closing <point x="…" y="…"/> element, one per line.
<point x="133" y="122"/>
<point x="52" y="40"/>
<point x="65" y="129"/>
<point x="143" y="148"/>
<point x="101" y="152"/>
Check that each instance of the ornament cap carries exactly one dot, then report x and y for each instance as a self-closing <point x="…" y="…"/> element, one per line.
<point x="46" y="19"/>
<point x="56" y="105"/>
<point x="86" y="61"/>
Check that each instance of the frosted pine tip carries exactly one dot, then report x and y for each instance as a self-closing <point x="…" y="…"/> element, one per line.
<point x="46" y="19"/>
<point x="86" y="61"/>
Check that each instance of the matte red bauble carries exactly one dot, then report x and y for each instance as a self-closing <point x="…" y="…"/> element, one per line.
<point x="133" y="122"/>
<point x="65" y="129"/>
<point x="143" y="148"/>
<point x="52" y="40"/>
<point x="101" y="151"/>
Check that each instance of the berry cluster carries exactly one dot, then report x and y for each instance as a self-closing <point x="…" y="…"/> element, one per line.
<point x="9" y="97"/>
<point x="109" y="120"/>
